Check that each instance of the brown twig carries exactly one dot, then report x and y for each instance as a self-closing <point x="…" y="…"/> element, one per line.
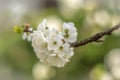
<point x="95" y="38"/>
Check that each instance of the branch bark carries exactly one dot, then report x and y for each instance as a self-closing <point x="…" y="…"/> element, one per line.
<point x="96" y="37"/>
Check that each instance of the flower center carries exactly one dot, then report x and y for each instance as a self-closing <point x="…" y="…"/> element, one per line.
<point x="61" y="47"/>
<point x="46" y="27"/>
<point x="66" y="35"/>
<point x="66" y="31"/>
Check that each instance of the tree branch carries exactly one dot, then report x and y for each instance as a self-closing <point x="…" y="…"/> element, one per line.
<point x="96" y="37"/>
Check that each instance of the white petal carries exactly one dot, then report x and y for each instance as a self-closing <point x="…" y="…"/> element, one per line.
<point x="29" y="38"/>
<point x="70" y="24"/>
<point x="30" y="29"/>
<point x="56" y="61"/>
<point x="44" y="22"/>
<point x="42" y="25"/>
<point x="24" y="36"/>
<point x="54" y="41"/>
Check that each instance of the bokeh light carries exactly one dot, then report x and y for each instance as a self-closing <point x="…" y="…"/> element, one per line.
<point x="113" y="62"/>
<point x="42" y="72"/>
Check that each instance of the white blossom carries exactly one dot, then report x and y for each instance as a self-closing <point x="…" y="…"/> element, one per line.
<point x="70" y="32"/>
<point x="54" y="41"/>
<point x="27" y="36"/>
<point x="51" y="47"/>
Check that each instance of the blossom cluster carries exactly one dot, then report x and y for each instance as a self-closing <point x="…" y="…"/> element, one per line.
<point x="51" y="46"/>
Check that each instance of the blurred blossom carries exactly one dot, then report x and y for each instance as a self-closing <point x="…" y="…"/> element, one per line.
<point x="90" y="5"/>
<point x="74" y="4"/>
<point x="106" y="76"/>
<point x="102" y="18"/>
<point x="70" y="7"/>
<point x="54" y="22"/>
<point x="17" y="10"/>
<point x="99" y="17"/>
<point x="97" y="72"/>
<point x="42" y="72"/>
<point x="113" y="62"/>
<point x="113" y="58"/>
<point x="115" y="21"/>
<point x="89" y="20"/>
<point x="116" y="71"/>
<point x="77" y="4"/>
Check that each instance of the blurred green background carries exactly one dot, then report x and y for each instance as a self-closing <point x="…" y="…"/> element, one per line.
<point x="95" y="61"/>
